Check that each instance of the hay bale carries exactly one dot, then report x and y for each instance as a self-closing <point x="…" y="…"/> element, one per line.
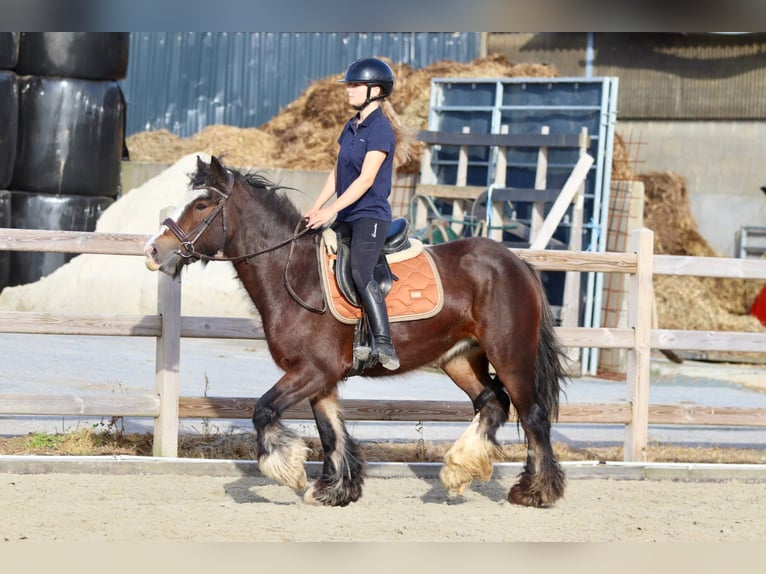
<point x="698" y="303"/>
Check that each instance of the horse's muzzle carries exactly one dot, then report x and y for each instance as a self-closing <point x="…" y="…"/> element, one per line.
<point x="150" y="252"/>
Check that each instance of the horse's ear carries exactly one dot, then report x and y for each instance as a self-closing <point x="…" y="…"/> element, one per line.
<point x="216" y="164"/>
<point x="200" y="164"/>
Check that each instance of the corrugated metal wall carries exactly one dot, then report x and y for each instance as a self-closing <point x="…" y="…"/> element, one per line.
<point x="663" y="76"/>
<point x="185" y="81"/>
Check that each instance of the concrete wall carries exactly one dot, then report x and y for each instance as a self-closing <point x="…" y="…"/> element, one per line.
<point x="723" y="162"/>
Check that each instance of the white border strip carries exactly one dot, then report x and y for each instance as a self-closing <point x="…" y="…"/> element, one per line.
<point x="120" y="465"/>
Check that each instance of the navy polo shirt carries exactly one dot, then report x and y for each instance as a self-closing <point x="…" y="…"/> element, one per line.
<point x="373" y="134"/>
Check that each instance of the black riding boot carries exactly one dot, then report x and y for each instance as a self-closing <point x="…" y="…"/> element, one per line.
<point x="377" y="316"/>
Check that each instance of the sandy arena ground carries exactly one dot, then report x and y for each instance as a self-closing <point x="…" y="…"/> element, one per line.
<point x="172" y="507"/>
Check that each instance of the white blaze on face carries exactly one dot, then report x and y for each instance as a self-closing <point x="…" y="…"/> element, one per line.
<point x="149" y="246"/>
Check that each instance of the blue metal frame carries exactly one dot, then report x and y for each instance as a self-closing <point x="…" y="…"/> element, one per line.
<point x="525" y="105"/>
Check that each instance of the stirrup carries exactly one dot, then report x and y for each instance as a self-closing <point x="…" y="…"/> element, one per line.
<point x="362" y="352"/>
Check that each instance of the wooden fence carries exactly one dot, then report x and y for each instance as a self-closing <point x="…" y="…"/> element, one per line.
<point x="168" y="327"/>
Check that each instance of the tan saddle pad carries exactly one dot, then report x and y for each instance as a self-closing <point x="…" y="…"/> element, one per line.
<point x="416" y="294"/>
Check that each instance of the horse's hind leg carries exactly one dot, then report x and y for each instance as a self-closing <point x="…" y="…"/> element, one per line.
<point x="473" y="454"/>
<point x="542" y="481"/>
<point x="343" y="469"/>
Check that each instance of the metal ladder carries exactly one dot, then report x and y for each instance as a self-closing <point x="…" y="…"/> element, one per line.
<point x="750" y="242"/>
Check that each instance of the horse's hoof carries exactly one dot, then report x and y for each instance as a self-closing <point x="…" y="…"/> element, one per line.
<point x="521" y="498"/>
<point x="455" y="480"/>
<point x="310" y="498"/>
<point x="319" y="494"/>
<point x="457" y="491"/>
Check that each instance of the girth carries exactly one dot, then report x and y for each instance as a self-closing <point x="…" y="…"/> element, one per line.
<point x="396" y="240"/>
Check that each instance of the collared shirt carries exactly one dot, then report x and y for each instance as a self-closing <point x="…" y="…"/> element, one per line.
<point x="373" y="134"/>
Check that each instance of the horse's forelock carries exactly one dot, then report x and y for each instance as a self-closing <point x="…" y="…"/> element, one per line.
<point x="205" y="176"/>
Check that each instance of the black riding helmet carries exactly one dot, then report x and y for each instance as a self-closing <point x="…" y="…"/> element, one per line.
<point x="372" y="72"/>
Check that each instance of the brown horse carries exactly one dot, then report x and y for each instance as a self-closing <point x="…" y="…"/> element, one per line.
<point x="495" y="313"/>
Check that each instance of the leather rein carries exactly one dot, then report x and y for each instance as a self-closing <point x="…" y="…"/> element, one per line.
<point x="187" y="251"/>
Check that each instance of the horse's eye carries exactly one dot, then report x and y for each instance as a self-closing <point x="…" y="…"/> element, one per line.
<point x="201" y="206"/>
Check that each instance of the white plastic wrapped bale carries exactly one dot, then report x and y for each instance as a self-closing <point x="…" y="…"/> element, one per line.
<point x="120" y="284"/>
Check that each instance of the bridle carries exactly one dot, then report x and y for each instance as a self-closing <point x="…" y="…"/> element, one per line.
<point x="187" y="251"/>
<point x="186" y="248"/>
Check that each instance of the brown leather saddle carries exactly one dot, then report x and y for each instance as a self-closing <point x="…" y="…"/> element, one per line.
<point x="397" y="240"/>
<point x="405" y="271"/>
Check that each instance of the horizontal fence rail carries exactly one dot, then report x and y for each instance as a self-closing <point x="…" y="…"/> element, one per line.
<point x="166" y="406"/>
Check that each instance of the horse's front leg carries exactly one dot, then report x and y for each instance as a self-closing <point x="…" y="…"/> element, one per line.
<point x="282" y="452"/>
<point x="343" y="470"/>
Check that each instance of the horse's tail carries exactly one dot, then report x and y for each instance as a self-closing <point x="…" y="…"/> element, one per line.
<point x="550" y="370"/>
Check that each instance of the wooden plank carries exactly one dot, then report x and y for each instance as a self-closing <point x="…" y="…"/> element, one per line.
<point x="595" y="413"/>
<point x="462" y="411"/>
<point x="706" y="415"/>
<point x="221" y="328"/>
<point x="148" y="405"/>
<point x="550" y="260"/>
<point x="127" y="325"/>
<point x="708" y="341"/>
<point x="527" y="194"/>
<point x="461" y="179"/>
<point x="243" y="328"/>
<point x="562" y="203"/>
<point x="57" y="324"/>
<point x="710" y="266"/>
<point x="495" y="214"/>
<point x="444" y="191"/>
<point x="602" y="338"/>
<point x="500" y="140"/>
<point x="16" y="404"/>
<point x="541" y="178"/>
<point x="353" y="409"/>
<point x="391" y="410"/>
<point x="71" y="241"/>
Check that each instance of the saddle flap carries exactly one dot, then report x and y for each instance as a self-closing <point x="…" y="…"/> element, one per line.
<point x="416" y="294"/>
<point x="381" y="273"/>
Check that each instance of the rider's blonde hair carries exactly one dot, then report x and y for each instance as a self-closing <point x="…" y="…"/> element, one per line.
<point x="405" y="135"/>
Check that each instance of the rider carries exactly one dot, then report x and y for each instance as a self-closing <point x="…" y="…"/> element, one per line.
<point x="370" y="144"/>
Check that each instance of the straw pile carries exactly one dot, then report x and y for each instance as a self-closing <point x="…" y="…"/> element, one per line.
<point x="698" y="303"/>
<point x="242" y="147"/>
<point x="304" y="134"/>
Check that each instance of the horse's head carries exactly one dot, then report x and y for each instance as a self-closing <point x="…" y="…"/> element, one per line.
<point x="197" y="228"/>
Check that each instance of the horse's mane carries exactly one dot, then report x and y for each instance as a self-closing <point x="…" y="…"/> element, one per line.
<point x="265" y="191"/>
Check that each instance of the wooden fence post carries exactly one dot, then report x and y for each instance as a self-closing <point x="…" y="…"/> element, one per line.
<point x="639" y="356"/>
<point x="167" y="376"/>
